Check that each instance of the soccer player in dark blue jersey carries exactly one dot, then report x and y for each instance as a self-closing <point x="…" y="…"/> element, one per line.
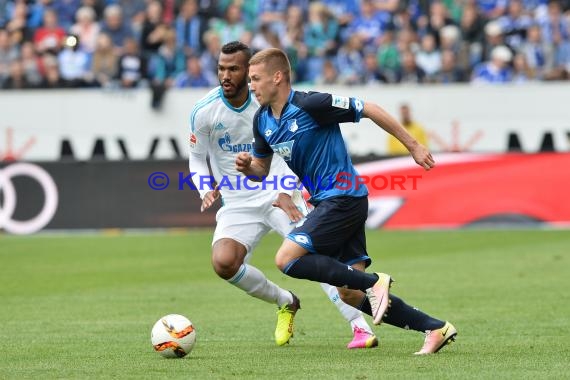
<point x="304" y="129"/>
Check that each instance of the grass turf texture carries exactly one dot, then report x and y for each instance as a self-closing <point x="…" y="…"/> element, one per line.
<point x="83" y="306"/>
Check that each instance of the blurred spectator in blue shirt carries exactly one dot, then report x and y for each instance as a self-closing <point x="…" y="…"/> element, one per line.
<point x="3" y="12"/>
<point x="369" y="25"/>
<point x="349" y="60"/>
<point x="65" y="10"/>
<point x="133" y="13"/>
<point x="343" y="10"/>
<point x="115" y="26"/>
<point x="496" y="70"/>
<point x="555" y="25"/>
<point x="190" y="28"/>
<point x="209" y="58"/>
<point x="515" y="24"/>
<point x="272" y="13"/>
<point x="193" y="76"/>
<point x="74" y="64"/>
<point x="538" y="54"/>
<point x="492" y="9"/>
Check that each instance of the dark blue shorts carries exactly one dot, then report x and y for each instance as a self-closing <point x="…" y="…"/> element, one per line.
<point x="335" y="228"/>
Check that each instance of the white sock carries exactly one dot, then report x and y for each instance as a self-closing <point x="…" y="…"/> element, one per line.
<point x="251" y="280"/>
<point x="361" y="323"/>
<point x="352" y="315"/>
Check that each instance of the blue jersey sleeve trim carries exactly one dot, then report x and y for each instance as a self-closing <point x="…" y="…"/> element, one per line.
<point x="358" y="106"/>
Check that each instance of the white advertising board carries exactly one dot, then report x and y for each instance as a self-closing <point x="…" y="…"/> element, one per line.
<point x="34" y="124"/>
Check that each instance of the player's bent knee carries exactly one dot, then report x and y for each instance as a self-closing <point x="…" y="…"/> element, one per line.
<point x="227" y="258"/>
<point x="224" y="269"/>
<point x="281" y="261"/>
<point x="288" y="252"/>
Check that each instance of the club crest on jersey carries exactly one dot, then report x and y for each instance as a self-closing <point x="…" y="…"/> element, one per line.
<point x="284" y="149"/>
<point x="340" y="101"/>
<point x="226" y="145"/>
<point x="292" y="125"/>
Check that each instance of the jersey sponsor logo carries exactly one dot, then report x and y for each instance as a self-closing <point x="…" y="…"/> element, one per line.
<point x="226" y="145"/>
<point x="192" y="140"/>
<point x="340" y="101"/>
<point x="284" y="149"/>
<point x="292" y="125"/>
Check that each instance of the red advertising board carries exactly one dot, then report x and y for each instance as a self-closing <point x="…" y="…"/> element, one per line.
<point x="465" y="189"/>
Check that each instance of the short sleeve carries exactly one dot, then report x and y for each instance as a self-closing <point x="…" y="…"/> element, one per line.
<point x="199" y="132"/>
<point x="329" y="109"/>
<point x="260" y="146"/>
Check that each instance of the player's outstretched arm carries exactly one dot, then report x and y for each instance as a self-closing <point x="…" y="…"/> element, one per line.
<point x="383" y="119"/>
<point x="253" y="167"/>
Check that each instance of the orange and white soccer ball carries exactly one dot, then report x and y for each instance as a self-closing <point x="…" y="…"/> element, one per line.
<point x="173" y="336"/>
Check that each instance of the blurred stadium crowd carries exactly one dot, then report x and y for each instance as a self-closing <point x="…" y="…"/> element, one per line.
<point x="175" y="43"/>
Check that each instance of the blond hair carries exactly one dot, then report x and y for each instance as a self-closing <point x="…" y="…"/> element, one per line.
<point x="274" y="60"/>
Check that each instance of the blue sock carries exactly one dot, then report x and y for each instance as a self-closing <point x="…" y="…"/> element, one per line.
<point x="402" y="315"/>
<point x="321" y="268"/>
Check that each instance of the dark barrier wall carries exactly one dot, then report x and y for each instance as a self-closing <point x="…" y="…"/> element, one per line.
<point x="464" y="189"/>
<point x="112" y="194"/>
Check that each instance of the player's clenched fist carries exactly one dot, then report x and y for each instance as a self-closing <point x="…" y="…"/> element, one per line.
<point x="243" y="161"/>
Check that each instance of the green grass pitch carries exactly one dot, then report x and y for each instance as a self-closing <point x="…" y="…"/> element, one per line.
<point x="83" y="306"/>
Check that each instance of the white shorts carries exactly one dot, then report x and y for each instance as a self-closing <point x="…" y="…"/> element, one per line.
<point x="248" y="223"/>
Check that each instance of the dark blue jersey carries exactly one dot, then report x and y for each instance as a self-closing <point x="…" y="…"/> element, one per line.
<point x="308" y="138"/>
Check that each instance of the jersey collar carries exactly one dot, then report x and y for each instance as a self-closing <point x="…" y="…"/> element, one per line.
<point x="289" y="99"/>
<point x="240" y="109"/>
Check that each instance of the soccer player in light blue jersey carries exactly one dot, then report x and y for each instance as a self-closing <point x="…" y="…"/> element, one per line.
<point x="330" y="246"/>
